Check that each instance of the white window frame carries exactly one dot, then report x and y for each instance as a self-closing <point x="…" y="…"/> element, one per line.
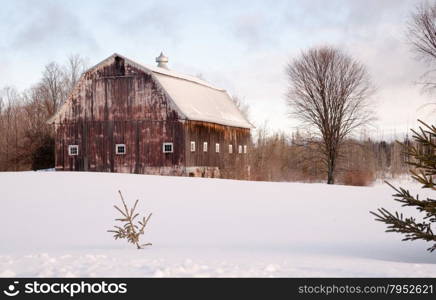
<point x="117" y="152"/>
<point x="240" y="149"/>
<point x="70" y="147"/>
<point x="245" y="149"/>
<point x="217" y="148"/>
<point x="192" y="146"/>
<point x="230" y="149"/>
<point x="167" y="144"/>
<point x="204" y="146"/>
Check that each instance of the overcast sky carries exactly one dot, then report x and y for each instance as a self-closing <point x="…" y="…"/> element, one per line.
<point x="242" y="46"/>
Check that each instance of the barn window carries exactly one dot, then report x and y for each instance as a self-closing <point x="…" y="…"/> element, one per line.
<point x="205" y="147"/>
<point x="167" y="147"/>
<point x="120" y="149"/>
<point x="230" y="148"/>
<point x="73" y="150"/>
<point x="217" y="148"/>
<point x="192" y="146"/>
<point x="245" y="148"/>
<point x="240" y="149"/>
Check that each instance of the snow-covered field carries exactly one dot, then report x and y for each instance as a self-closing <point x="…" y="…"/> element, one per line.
<point x="54" y="224"/>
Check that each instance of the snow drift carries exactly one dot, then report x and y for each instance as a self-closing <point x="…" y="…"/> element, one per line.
<point x="54" y="224"/>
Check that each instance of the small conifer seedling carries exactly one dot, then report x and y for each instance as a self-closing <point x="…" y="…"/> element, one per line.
<point x="129" y="230"/>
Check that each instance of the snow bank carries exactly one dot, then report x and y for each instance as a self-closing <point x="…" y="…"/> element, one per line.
<point x="54" y="224"/>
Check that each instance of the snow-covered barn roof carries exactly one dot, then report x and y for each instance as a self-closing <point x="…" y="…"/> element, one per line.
<point x="195" y="98"/>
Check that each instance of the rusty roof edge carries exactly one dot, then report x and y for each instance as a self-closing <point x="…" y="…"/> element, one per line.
<point x="61" y="109"/>
<point x="53" y="118"/>
<point x="229" y="98"/>
<point x="173" y="103"/>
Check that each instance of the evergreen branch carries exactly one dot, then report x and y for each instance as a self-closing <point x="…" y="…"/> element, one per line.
<point x="424" y="162"/>
<point x="403" y="196"/>
<point x="407" y="226"/>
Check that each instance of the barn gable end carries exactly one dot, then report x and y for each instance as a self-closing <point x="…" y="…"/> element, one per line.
<point x="115" y="89"/>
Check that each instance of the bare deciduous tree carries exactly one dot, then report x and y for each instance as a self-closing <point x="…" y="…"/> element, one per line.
<point x="422" y="31"/>
<point x="74" y="68"/>
<point x="10" y="128"/>
<point x="422" y="36"/>
<point x="242" y="105"/>
<point x="52" y="86"/>
<point x="24" y="133"/>
<point x="329" y="92"/>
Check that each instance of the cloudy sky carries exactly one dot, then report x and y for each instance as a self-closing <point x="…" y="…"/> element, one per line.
<point x="242" y="46"/>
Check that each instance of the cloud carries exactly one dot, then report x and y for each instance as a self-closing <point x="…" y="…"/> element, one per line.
<point x="48" y="25"/>
<point x="372" y="32"/>
<point x="141" y="21"/>
<point x="160" y="18"/>
<point x="240" y="45"/>
<point x="252" y="29"/>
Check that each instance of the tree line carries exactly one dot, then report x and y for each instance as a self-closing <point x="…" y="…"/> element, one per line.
<point x="298" y="156"/>
<point x="26" y="140"/>
<point x="329" y="92"/>
<point x="27" y="143"/>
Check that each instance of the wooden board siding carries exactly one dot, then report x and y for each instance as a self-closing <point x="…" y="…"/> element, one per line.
<point x="118" y="104"/>
<point x="97" y="140"/>
<point x="200" y="132"/>
<point x="129" y="97"/>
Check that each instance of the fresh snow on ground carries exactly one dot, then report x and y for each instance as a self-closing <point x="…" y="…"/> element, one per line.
<point x="54" y="224"/>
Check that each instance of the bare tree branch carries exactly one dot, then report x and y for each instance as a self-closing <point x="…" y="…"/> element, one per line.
<point x="329" y="91"/>
<point x="421" y="34"/>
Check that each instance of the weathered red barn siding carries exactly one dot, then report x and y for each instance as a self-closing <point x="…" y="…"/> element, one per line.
<point x="97" y="140"/>
<point x="200" y="132"/>
<point x="117" y="103"/>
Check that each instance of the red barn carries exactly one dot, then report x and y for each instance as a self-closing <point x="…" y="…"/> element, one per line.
<point x="130" y="118"/>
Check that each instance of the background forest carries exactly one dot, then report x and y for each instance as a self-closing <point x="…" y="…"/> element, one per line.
<point x="26" y="140"/>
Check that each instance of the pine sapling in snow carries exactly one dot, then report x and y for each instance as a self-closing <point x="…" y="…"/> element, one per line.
<point x="129" y="230"/>
<point x="424" y="161"/>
